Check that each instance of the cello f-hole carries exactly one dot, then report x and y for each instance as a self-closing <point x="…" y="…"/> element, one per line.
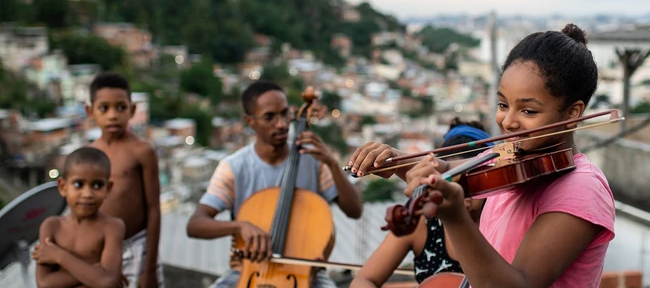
<point x="295" y="280"/>
<point x="250" y="278"/>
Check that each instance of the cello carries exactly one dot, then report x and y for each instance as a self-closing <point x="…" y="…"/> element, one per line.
<point x="299" y="222"/>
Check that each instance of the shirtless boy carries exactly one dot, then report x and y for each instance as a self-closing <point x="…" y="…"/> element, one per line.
<point x="135" y="197"/>
<point x="83" y="248"/>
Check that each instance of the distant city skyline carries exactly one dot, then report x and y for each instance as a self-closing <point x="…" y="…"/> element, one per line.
<point x="403" y="9"/>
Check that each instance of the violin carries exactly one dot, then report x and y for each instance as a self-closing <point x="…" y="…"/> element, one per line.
<point x="444" y="280"/>
<point x="511" y="166"/>
<point x="395" y="161"/>
<point x="299" y="222"/>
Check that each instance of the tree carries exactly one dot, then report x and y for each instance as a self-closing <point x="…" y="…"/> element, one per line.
<point x="641" y="108"/>
<point x="379" y="190"/>
<point x="200" y="79"/>
<point x="203" y="122"/>
<point x="439" y="39"/>
<point x="331" y="99"/>
<point x="331" y="135"/>
<point x="89" y="49"/>
<point x="54" y="13"/>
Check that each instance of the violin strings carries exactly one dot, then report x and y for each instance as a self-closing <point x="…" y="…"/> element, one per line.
<point x="517" y="141"/>
<point x="570" y="130"/>
<point x="415" y="162"/>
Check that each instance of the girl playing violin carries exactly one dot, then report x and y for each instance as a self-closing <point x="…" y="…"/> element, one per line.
<point x="551" y="234"/>
<point x="433" y="250"/>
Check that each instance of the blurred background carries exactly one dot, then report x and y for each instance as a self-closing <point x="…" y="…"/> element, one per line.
<point x="390" y="71"/>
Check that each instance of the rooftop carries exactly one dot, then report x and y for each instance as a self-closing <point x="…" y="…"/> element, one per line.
<point x="50" y="124"/>
<point x="179" y="123"/>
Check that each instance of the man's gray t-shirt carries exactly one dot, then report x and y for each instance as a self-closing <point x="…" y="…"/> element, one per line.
<point x="243" y="173"/>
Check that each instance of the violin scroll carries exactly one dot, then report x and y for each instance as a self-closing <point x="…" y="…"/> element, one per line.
<point x="399" y="221"/>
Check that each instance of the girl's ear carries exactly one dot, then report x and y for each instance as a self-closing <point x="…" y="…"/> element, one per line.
<point x="574" y="111"/>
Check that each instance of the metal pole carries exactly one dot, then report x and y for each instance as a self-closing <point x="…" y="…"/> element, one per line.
<point x="496" y="74"/>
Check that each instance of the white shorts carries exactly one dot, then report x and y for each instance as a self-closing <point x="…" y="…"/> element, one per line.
<point x="134" y="252"/>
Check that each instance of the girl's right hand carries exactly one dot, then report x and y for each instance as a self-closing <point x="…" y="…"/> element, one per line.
<point x="372" y="155"/>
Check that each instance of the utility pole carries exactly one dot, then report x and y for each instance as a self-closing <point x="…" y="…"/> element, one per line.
<point x="631" y="59"/>
<point x="496" y="74"/>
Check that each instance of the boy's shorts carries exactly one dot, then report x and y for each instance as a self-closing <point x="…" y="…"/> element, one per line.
<point x="134" y="252"/>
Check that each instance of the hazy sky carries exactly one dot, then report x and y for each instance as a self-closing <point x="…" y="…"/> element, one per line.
<point x="405" y="8"/>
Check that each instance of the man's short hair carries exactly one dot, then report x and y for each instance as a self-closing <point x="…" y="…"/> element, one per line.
<point x="254" y="91"/>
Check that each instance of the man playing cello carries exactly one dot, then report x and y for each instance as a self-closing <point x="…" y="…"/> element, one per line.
<point x="260" y="165"/>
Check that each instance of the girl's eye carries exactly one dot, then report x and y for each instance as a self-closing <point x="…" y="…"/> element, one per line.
<point x="78" y="184"/>
<point x="530" y="112"/>
<point x="502" y="105"/>
<point x="97" y="185"/>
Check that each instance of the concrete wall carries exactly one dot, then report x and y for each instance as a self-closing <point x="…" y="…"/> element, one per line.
<point x="626" y="164"/>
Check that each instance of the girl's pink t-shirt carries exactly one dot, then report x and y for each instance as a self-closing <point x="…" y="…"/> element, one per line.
<point x="583" y="193"/>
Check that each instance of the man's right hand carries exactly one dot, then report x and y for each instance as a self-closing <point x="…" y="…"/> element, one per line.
<point x="372" y="155"/>
<point x="257" y="243"/>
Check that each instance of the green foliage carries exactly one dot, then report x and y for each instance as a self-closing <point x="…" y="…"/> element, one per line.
<point x="439" y="39"/>
<point x="10" y="10"/>
<point x="641" y="108"/>
<point x="44" y="107"/>
<point x="13" y="92"/>
<point x="203" y="122"/>
<point x="53" y="13"/>
<point x="200" y="79"/>
<point x="332" y="135"/>
<point x="368" y="120"/>
<point x="164" y="106"/>
<point x="89" y="49"/>
<point x="279" y="73"/>
<point x="426" y="107"/>
<point x="331" y="99"/>
<point x="379" y="190"/>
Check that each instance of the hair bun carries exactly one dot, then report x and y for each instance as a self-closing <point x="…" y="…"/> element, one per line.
<point x="575" y="33"/>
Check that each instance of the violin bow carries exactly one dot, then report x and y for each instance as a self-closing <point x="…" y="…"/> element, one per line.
<point x="325" y="264"/>
<point x="614" y="117"/>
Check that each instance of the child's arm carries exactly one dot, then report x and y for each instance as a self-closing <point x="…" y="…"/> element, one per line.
<point x="152" y="194"/>
<point x="550" y="245"/>
<point x="105" y="275"/>
<point x="46" y="274"/>
<point x="383" y="262"/>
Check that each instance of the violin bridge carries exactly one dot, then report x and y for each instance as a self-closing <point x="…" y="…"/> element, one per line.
<point x="506" y="150"/>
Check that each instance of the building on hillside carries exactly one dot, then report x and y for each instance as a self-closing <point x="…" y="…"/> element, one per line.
<point x="18" y="45"/>
<point x="136" y="42"/>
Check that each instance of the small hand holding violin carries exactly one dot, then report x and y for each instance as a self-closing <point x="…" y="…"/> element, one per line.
<point x="425" y="167"/>
<point x="446" y="199"/>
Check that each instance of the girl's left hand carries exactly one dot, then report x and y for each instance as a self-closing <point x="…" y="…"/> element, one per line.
<point x="447" y="200"/>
